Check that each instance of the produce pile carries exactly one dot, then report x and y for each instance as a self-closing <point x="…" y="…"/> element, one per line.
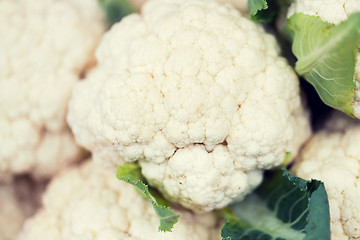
<point x="179" y="119"/>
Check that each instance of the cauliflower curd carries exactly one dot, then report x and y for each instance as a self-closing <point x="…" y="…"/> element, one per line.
<point x="333" y="11"/>
<point x="333" y="156"/>
<point x="242" y="5"/>
<point x="45" y="46"/>
<point x="197" y="94"/>
<point x="88" y="202"/>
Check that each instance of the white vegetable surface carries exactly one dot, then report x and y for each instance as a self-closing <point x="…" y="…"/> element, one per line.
<point x="46" y="46"/>
<point x="19" y="199"/>
<point x="333" y="11"/>
<point x="88" y="202"/>
<point x="198" y="95"/>
<point x="242" y="5"/>
<point x="333" y="156"/>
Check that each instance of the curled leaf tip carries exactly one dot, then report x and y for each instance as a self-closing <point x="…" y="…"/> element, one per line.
<point x="326" y="56"/>
<point x="131" y="173"/>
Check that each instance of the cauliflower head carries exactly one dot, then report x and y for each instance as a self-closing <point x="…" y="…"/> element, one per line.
<point x="19" y="199"/>
<point x="333" y="156"/>
<point x="242" y="5"/>
<point x="88" y="202"/>
<point x="197" y="94"/>
<point x="45" y="46"/>
<point x="333" y="11"/>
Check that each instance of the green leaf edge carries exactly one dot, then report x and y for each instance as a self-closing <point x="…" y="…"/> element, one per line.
<point x="167" y="217"/>
<point x="346" y="105"/>
<point x="115" y="10"/>
<point x="255" y="6"/>
<point x="318" y="198"/>
<point x="262" y="12"/>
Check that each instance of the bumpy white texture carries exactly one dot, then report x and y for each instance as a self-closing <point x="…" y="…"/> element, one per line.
<point x="242" y="5"/>
<point x="18" y="201"/>
<point x="197" y="94"/>
<point x="333" y="156"/>
<point x="333" y="11"/>
<point x="45" y="46"/>
<point x="88" y="202"/>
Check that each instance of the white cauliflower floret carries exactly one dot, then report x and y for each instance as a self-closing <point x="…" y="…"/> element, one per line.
<point x="242" y="5"/>
<point x="19" y="199"/>
<point x="333" y="11"/>
<point x="333" y="156"/>
<point x="197" y="94"/>
<point x="88" y="202"/>
<point x="45" y="47"/>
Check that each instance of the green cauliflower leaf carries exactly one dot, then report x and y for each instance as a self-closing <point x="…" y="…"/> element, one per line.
<point x="115" y="10"/>
<point x="284" y="207"/>
<point x="131" y="173"/>
<point x="263" y="11"/>
<point x="326" y="56"/>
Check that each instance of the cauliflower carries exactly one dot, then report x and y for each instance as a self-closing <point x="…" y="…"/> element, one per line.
<point x="242" y="5"/>
<point x="88" y="202"/>
<point x="239" y="4"/>
<point x="198" y="95"/>
<point x="45" y="46"/>
<point x="19" y="199"/>
<point x="333" y="156"/>
<point x="333" y="11"/>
